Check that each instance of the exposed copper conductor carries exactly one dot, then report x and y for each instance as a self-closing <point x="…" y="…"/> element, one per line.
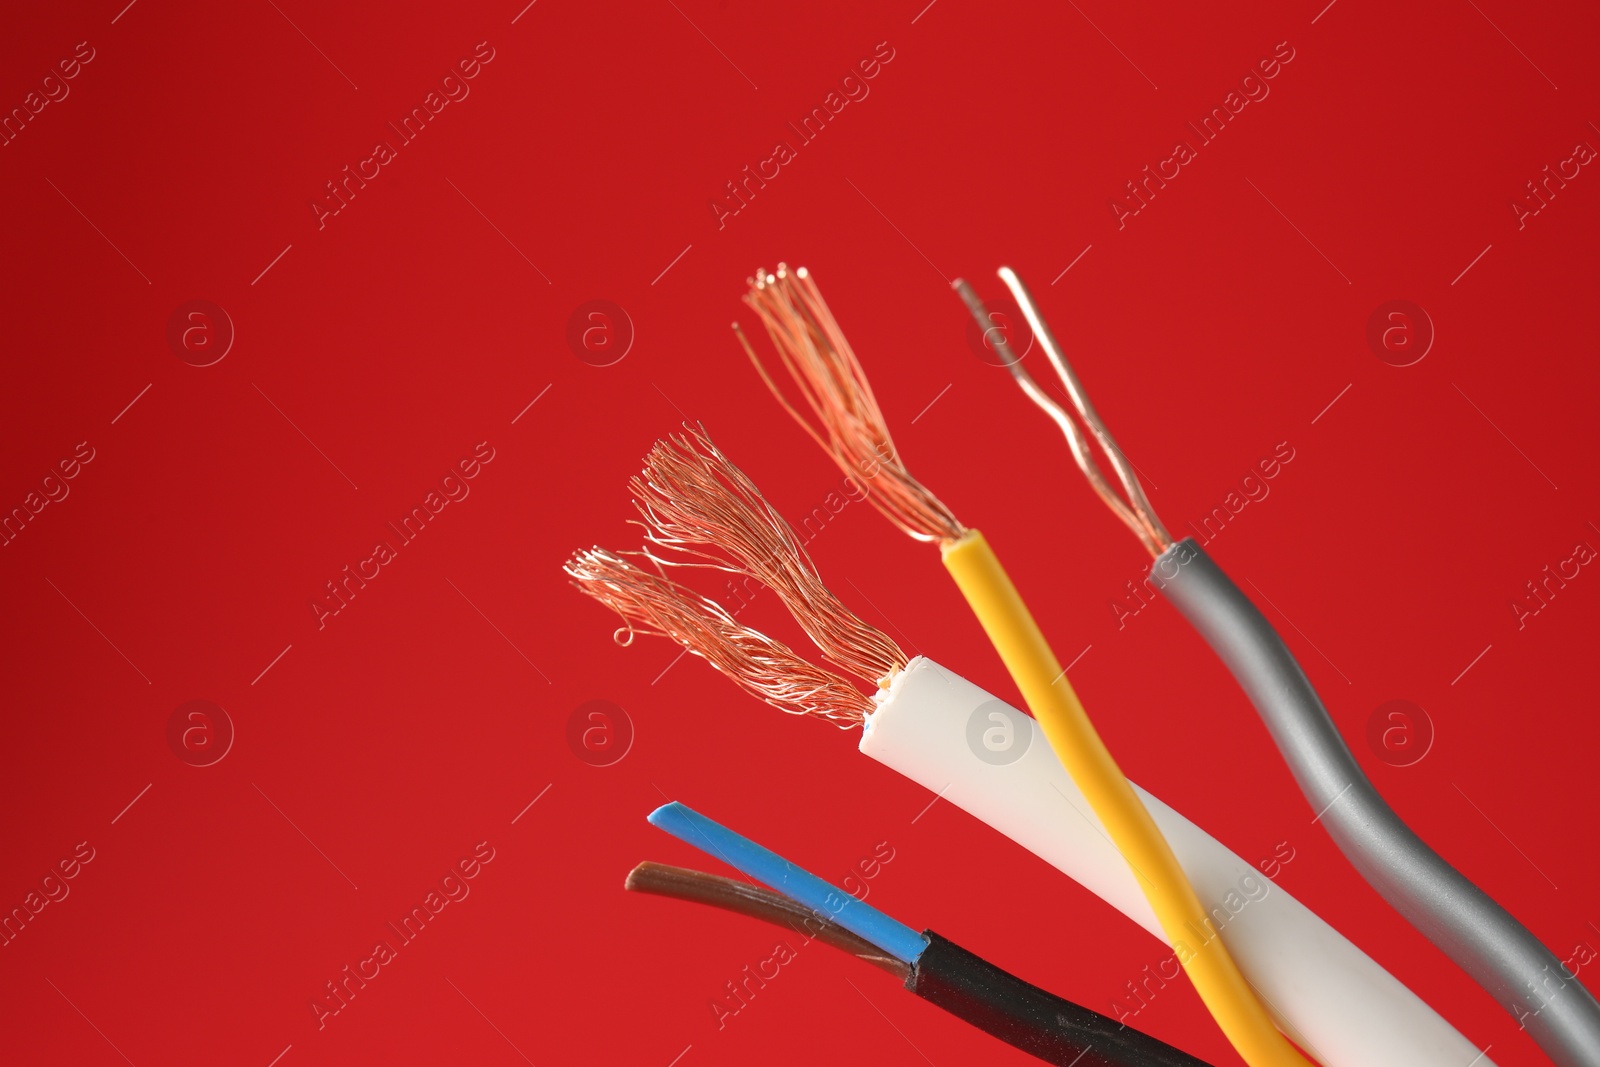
<point x="1136" y="512"/>
<point x="651" y="603"/>
<point x="852" y="428"/>
<point x="707" y="512"/>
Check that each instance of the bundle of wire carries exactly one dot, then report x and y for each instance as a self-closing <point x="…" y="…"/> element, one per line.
<point x="852" y="430"/>
<point x="933" y="967"/>
<point x="698" y="509"/>
<point x="1501" y="954"/>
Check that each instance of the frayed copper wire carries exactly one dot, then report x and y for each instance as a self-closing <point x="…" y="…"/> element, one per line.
<point x="705" y="511"/>
<point x="829" y="377"/>
<point x="651" y="603"/>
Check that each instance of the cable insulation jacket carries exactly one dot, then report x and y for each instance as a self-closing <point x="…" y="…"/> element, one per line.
<point x="1328" y="996"/>
<point x="946" y="975"/>
<point x="790" y="879"/>
<point x="1034" y="668"/>
<point x="1020" y="1014"/>
<point x="1463" y="921"/>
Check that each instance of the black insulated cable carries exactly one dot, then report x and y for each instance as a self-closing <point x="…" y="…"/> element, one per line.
<point x="946" y="975"/>
<point x="1020" y="1014"/>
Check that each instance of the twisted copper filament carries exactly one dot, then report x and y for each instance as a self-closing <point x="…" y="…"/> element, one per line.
<point x="651" y="603"/>
<point x="707" y="512"/>
<point x="849" y="426"/>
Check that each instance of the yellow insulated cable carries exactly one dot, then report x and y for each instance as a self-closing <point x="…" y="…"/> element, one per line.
<point x="1038" y="674"/>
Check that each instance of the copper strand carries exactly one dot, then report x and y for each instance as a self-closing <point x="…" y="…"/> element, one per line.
<point x="704" y="511"/>
<point x="1149" y="526"/>
<point x="1076" y="441"/>
<point x="848" y="423"/>
<point x="651" y="603"/>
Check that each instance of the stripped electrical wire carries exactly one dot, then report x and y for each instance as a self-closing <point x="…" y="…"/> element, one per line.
<point x="730" y="894"/>
<point x="966" y="985"/>
<point x="1136" y="512"/>
<point x="1479" y="935"/>
<point x="651" y="603"/>
<point x="918" y="724"/>
<point x="823" y="367"/>
<point x="702" y="510"/>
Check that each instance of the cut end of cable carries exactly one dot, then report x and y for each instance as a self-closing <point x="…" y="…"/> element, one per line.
<point x="666" y="813"/>
<point x="700" y="510"/>
<point x="1135" y="511"/>
<point x="632" y="585"/>
<point x="701" y="887"/>
<point x="844" y="418"/>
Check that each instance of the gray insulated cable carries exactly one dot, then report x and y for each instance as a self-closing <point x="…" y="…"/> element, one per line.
<point x="1469" y="927"/>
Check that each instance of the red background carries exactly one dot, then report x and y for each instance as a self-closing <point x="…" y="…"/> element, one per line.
<point x="426" y="715"/>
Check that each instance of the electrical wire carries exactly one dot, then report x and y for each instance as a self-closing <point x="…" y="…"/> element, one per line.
<point x="790" y="879"/>
<point x="919" y="724"/>
<point x="1136" y="513"/>
<point x="825" y="369"/>
<point x="1488" y="942"/>
<point x="1479" y="935"/>
<point x="931" y="966"/>
<point x="729" y="894"/>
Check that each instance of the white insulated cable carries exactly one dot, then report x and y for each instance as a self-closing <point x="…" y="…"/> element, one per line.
<point x="989" y="759"/>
